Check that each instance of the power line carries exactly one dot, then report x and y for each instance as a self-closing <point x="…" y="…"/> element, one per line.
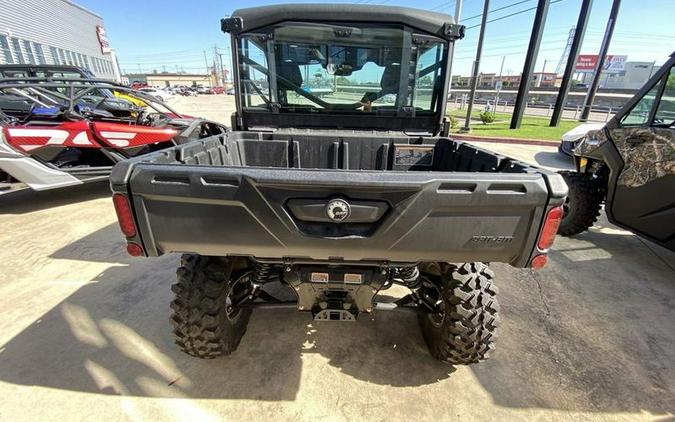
<point x="497" y="10"/>
<point x="517" y="53"/>
<point x="441" y="6"/>
<point x="513" y="14"/>
<point x="164" y="53"/>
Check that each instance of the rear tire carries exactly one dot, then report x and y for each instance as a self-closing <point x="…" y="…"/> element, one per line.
<point x="582" y="206"/>
<point x="465" y="332"/>
<point x="206" y="323"/>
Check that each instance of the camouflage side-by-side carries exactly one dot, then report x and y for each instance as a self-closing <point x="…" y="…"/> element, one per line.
<point x="650" y="156"/>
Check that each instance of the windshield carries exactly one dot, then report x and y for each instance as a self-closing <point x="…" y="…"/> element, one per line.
<point x="341" y="68"/>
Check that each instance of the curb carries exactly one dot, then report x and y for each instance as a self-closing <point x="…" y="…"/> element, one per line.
<point x="501" y="140"/>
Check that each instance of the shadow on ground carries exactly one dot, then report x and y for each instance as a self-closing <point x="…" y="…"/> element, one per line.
<point x="592" y="332"/>
<point x="27" y="200"/>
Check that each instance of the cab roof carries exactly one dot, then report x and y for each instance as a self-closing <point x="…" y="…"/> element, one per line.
<point x="439" y="24"/>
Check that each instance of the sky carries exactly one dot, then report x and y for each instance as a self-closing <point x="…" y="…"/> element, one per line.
<point x="171" y="34"/>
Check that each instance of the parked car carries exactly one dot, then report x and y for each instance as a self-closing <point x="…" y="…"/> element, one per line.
<point x="159" y="94"/>
<point x="217" y="90"/>
<point x="138" y="85"/>
<point x="184" y="91"/>
<point x="629" y="165"/>
<point x="202" y="89"/>
<point x="571" y="138"/>
<point x="338" y="203"/>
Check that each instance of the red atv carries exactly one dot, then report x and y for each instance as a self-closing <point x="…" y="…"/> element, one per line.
<point x="66" y="131"/>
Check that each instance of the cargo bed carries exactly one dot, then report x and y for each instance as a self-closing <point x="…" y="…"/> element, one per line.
<point x="264" y="194"/>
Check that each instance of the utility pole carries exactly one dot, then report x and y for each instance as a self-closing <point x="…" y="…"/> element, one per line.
<point x="566" y="51"/>
<point x="590" y="97"/>
<point x="476" y="65"/>
<point x="530" y="59"/>
<point x="223" y="68"/>
<point x="541" y="76"/>
<point x="458" y="12"/>
<point x="218" y="66"/>
<point x="579" y="32"/>
<point x="139" y="68"/>
<point x="206" y="63"/>
<point x="499" y="84"/>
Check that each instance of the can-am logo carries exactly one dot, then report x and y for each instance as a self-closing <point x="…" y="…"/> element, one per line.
<point x="492" y="239"/>
<point x="338" y="210"/>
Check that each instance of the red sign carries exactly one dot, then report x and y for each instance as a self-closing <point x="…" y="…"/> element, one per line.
<point x="102" y="39"/>
<point x="613" y="64"/>
<point x="587" y="61"/>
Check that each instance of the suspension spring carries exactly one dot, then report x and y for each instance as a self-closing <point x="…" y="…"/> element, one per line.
<point x="262" y="273"/>
<point x="410" y="276"/>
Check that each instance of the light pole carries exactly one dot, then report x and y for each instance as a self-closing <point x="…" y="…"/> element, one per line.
<point x="476" y="65"/>
<point x="530" y="59"/>
<point x="579" y="31"/>
<point x="458" y="12"/>
<point x="590" y="97"/>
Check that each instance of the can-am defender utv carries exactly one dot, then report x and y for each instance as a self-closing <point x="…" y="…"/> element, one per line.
<point x="337" y="198"/>
<point x="62" y="128"/>
<point x="630" y="166"/>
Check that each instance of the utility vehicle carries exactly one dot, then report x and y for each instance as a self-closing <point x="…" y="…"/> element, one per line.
<point x="629" y="164"/>
<point x="60" y="127"/>
<point x="337" y="198"/>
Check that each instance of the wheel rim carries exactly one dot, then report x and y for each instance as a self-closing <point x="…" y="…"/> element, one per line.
<point x="566" y="206"/>
<point x="438" y="318"/>
<point x="237" y="291"/>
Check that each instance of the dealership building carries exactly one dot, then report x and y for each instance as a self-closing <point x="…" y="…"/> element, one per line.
<point x="55" y="32"/>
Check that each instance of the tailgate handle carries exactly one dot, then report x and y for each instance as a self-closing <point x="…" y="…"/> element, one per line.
<point x="316" y="210"/>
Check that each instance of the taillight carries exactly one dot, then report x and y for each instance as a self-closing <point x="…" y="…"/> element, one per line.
<point x="124" y="214"/>
<point x="551" y="224"/>
<point x="134" y="249"/>
<point x="538" y="261"/>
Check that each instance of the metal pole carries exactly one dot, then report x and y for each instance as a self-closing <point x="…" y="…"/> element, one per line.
<point x="458" y="12"/>
<point x="530" y="59"/>
<point x="590" y="97"/>
<point x="501" y="69"/>
<point x="206" y="62"/>
<point x="476" y="64"/>
<point x="540" y="79"/>
<point x="579" y="32"/>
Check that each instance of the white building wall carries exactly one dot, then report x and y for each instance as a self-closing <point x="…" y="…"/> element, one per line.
<point x="64" y="31"/>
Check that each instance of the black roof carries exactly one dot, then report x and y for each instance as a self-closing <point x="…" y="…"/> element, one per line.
<point x="244" y="20"/>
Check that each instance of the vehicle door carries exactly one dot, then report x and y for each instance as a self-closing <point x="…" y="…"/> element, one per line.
<point x="644" y="196"/>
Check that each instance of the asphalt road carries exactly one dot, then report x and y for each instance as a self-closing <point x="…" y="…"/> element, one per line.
<point x="84" y="335"/>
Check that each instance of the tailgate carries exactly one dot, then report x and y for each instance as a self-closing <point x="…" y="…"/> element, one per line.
<point x="394" y="216"/>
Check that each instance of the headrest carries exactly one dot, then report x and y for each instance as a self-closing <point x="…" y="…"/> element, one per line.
<point x="291" y="72"/>
<point x="390" y="79"/>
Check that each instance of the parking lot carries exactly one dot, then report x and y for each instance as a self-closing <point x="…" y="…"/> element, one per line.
<point x="84" y="333"/>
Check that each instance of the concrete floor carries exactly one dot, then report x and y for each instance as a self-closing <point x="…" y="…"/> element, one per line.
<point x="84" y="335"/>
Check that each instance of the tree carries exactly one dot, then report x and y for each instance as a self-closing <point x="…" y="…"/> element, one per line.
<point x="341" y="80"/>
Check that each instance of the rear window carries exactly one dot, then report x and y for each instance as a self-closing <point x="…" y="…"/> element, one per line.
<point x="342" y="68"/>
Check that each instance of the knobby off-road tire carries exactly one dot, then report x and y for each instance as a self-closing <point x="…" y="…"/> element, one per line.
<point x="582" y="206"/>
<point x="205" y="326"/>
<point x="465" y="332"/>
